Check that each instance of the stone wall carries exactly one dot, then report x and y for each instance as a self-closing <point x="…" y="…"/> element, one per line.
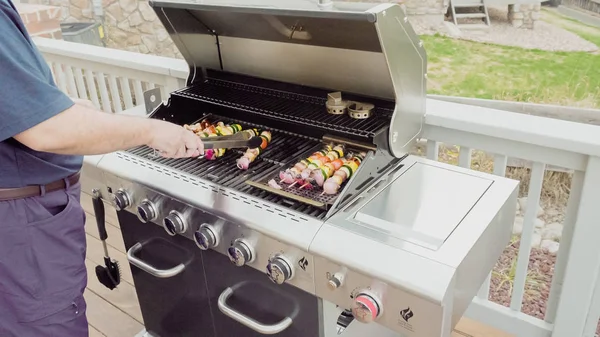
<point x="128" y="24"/>
<point x="132" y="25"/>
<point x="524" y="15"/>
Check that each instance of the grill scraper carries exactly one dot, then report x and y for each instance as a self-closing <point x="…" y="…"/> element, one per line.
<point x="109" y="274"/>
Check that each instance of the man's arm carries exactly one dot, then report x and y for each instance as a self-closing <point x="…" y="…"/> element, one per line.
<point x="81" y="130"/>
<point x="37" y="114"/>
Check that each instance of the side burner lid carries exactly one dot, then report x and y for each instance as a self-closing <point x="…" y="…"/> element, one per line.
<point x="424" y="205"/>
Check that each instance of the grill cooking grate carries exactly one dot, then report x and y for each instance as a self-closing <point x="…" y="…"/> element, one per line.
<point x="312" y="196"/>
<point x="223" y="171"/>
<point x="286" y="106"/>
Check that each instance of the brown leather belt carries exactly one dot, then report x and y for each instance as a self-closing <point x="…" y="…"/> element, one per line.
<point x="36" y="191"/>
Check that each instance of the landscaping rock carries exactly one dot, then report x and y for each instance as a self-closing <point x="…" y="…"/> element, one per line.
<point x="539" y="223"/>
<point x="518" y="224"/>
<point x="523" y="204"/>
<point x="551" y="246"/>
<point x="552" y="232"/>
<point x="536" y="240"/>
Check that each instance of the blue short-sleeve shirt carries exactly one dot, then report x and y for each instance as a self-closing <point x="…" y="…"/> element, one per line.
<point x="28" y="96"/>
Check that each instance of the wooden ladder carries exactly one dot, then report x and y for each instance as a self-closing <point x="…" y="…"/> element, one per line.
<point x="457" y="7"/>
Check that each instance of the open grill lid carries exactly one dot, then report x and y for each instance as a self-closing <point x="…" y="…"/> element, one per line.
<point x="357" y="48"/>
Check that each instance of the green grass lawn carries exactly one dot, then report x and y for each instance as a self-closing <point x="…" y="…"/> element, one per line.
<point x="471" y="69"/>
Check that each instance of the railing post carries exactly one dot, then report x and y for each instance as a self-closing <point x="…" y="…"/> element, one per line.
<point x="171" y="84"/>
<point x="566" y="241"/>
<point x="577" y="315"/>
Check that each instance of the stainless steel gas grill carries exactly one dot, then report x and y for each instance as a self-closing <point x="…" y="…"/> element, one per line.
<point x="220" y="251"/>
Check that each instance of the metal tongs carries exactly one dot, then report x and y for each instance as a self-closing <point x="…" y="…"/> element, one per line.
<point x="240" y="139"/>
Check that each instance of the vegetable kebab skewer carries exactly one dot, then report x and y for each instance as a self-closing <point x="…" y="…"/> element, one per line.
<point x="332" y="183"/>
<point x="313" y="169"/>
<point x="220" y="130"/>
<point x="291" y="175"/>
<point x="250" y="155"/>
<point x="320" y="158"/>
<point x="322" y="167"/>
<point x="205" y="129"/>
<point x="198" y="127"/>
<point x="345" y="168"/>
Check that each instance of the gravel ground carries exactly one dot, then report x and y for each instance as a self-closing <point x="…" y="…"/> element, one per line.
<point x="544" y="36"/>
<point x="537" y="285"/>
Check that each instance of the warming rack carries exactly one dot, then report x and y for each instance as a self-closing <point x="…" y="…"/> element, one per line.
<point x="293" y="107"/>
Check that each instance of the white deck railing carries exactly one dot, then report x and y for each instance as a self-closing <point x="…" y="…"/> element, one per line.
<point x="108" y="77"/>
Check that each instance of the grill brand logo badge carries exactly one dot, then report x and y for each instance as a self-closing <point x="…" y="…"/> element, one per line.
<point x="303" y="263"/>
<point x="406" y="314"/>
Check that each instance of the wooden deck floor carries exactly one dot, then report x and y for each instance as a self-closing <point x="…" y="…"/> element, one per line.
<point x="116" y="313"/>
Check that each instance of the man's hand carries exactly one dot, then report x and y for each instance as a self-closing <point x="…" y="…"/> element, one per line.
<point x="173" y="141"/>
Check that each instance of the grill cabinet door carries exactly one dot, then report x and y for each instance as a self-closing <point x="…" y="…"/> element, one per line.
<point x="175" y="306"/>
<point x="255" y="296"/>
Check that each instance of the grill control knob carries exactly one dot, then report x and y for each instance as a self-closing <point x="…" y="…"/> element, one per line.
<point x="240" y="253"/>
<point x="146" y="211"/>
<point x="174" y="223"/>
<point x="366" y="307"/>
<point x="206" y="237"/>
<point x="335" y="281"/>
<point x="121" y="199"/>
<point x="279" y="269"/>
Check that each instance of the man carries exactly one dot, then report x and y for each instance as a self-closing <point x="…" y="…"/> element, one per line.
<point x="43" y="135"/>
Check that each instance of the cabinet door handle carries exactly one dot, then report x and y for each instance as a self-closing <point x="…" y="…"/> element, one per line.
<point x="249" y="322"/>
<point x="160" y="273"/>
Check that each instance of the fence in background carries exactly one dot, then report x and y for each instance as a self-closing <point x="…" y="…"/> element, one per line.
<point x="588" y="5"/>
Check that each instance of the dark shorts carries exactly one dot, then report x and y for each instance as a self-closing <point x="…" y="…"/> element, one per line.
<point x="42" y="266"/>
